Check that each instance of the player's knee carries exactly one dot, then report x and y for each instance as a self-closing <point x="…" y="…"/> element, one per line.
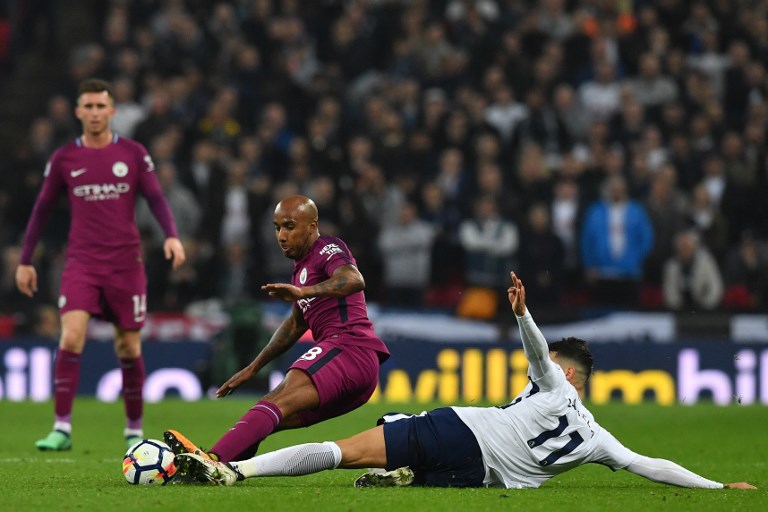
<point x="72" y="340"/>
<point x="127" y="346"/>
<point x="294" y="395"/>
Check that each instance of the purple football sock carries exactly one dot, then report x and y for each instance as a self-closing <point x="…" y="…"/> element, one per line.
<point x="260" y="421"/>
<point x="66" y="375"/>
<point x="133" y="385"/>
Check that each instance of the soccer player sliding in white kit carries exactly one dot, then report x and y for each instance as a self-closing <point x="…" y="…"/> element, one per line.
<point x="543" y="432"/>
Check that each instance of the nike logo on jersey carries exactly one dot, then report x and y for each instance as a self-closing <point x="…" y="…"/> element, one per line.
<point x="77" y="172"/>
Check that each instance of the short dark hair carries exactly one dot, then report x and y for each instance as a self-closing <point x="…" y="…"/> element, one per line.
<point x="94" y="85"/>
<point x="575" y="349"/>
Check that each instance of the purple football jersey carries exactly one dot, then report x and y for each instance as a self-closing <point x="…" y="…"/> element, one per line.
<point x="101" y="187"/>
<point x="344" y="318"/>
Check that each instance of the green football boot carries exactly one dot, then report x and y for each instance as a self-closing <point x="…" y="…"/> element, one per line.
<point x="132" y="440"/>
<point x="56" y="441"/>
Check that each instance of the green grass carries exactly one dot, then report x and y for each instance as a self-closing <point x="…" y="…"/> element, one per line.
<point x="722" y="443"/>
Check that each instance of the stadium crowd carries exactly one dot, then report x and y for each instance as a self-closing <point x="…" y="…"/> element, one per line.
<point x="612" y="151"/>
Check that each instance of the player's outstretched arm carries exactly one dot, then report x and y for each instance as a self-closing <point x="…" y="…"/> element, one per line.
<point x="345" y="281"/>
<point x="285" y="337"/>
<point x="534" y="343"/>
<point x="667" y="472"/>
<point x="26" y="279"/>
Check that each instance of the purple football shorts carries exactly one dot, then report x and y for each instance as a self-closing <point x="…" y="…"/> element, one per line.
<point x="119" y="297"/>
<point x="345" y="377"/>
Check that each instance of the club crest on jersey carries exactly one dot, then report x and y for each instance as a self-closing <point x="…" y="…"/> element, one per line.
<point x="120" y="169"/>
<point x="62" y="301"/>
<point x="303" y="276"/>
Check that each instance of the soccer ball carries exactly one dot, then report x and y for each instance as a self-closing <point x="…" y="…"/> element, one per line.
<point x="149" y="462"/>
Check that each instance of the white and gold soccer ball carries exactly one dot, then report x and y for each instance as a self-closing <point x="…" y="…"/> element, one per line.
<point x="149" y="462"/>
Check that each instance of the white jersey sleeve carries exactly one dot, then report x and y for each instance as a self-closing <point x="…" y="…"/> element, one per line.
<point x="608" y="451"/>
<point x="667" y="472"/>
<point x="546" y="374"/>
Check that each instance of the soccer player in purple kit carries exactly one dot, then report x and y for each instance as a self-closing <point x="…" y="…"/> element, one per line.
<point x="339" y="373"/>
<point x="102" y="173"/>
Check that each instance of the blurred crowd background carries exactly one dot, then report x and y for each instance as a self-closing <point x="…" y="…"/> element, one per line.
<point x="613" y="153"/>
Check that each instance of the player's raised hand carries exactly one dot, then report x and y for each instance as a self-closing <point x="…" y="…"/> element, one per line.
<point x="235" y="381"/>
<point x="287" y="292"/>
<point x="516" y="294"/>
<point x="744" y="486"/>
<point x="173" y="249"/>
<point x="26" y="279"/>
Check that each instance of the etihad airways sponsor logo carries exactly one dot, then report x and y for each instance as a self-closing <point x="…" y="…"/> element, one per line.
<point x="104" y="192"/>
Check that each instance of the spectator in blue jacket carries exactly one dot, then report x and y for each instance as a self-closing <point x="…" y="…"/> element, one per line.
<point x="616" y="237"/>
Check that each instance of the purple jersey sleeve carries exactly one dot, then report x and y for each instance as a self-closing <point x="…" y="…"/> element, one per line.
<point x="53" y="184"/>
<point x="335" y="255"/>
<point x="153" y="193"/>
<point x="345" y="318"/>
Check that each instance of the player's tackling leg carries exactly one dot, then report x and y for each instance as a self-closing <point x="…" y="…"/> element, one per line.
<point x="364" y="450"/>
<point x="180" y="444"/>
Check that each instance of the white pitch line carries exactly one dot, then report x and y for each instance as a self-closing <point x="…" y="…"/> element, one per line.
<point x="30" y="459"/>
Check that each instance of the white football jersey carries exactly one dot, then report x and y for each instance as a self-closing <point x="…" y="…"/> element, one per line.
<point x="543" y="432"/>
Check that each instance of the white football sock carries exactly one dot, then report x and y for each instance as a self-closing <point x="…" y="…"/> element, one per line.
<point x="64" y="426"/>
<point x="129" y="432"/>
<point x="301" y="459"/>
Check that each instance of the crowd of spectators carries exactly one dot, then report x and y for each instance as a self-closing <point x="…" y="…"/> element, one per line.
<point x="612" y="152"/>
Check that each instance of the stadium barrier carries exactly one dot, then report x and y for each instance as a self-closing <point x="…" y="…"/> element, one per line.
<point x="424" y="371"/>
<point x="441" y="327"/>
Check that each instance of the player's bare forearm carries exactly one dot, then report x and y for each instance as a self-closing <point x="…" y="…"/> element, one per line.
<point x="345" y="281"/>
<point x="286" y="336"/>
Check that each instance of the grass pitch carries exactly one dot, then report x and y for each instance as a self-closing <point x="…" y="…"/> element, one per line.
<point x="721" y="443"/>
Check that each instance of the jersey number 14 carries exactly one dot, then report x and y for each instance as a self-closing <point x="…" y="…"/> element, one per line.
<point x="139" y="307"/>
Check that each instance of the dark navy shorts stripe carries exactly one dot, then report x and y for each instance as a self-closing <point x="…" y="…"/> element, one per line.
<point x="323" y="360"/>
<point x="440" y="449"/>
<point x="343" y="311"/>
